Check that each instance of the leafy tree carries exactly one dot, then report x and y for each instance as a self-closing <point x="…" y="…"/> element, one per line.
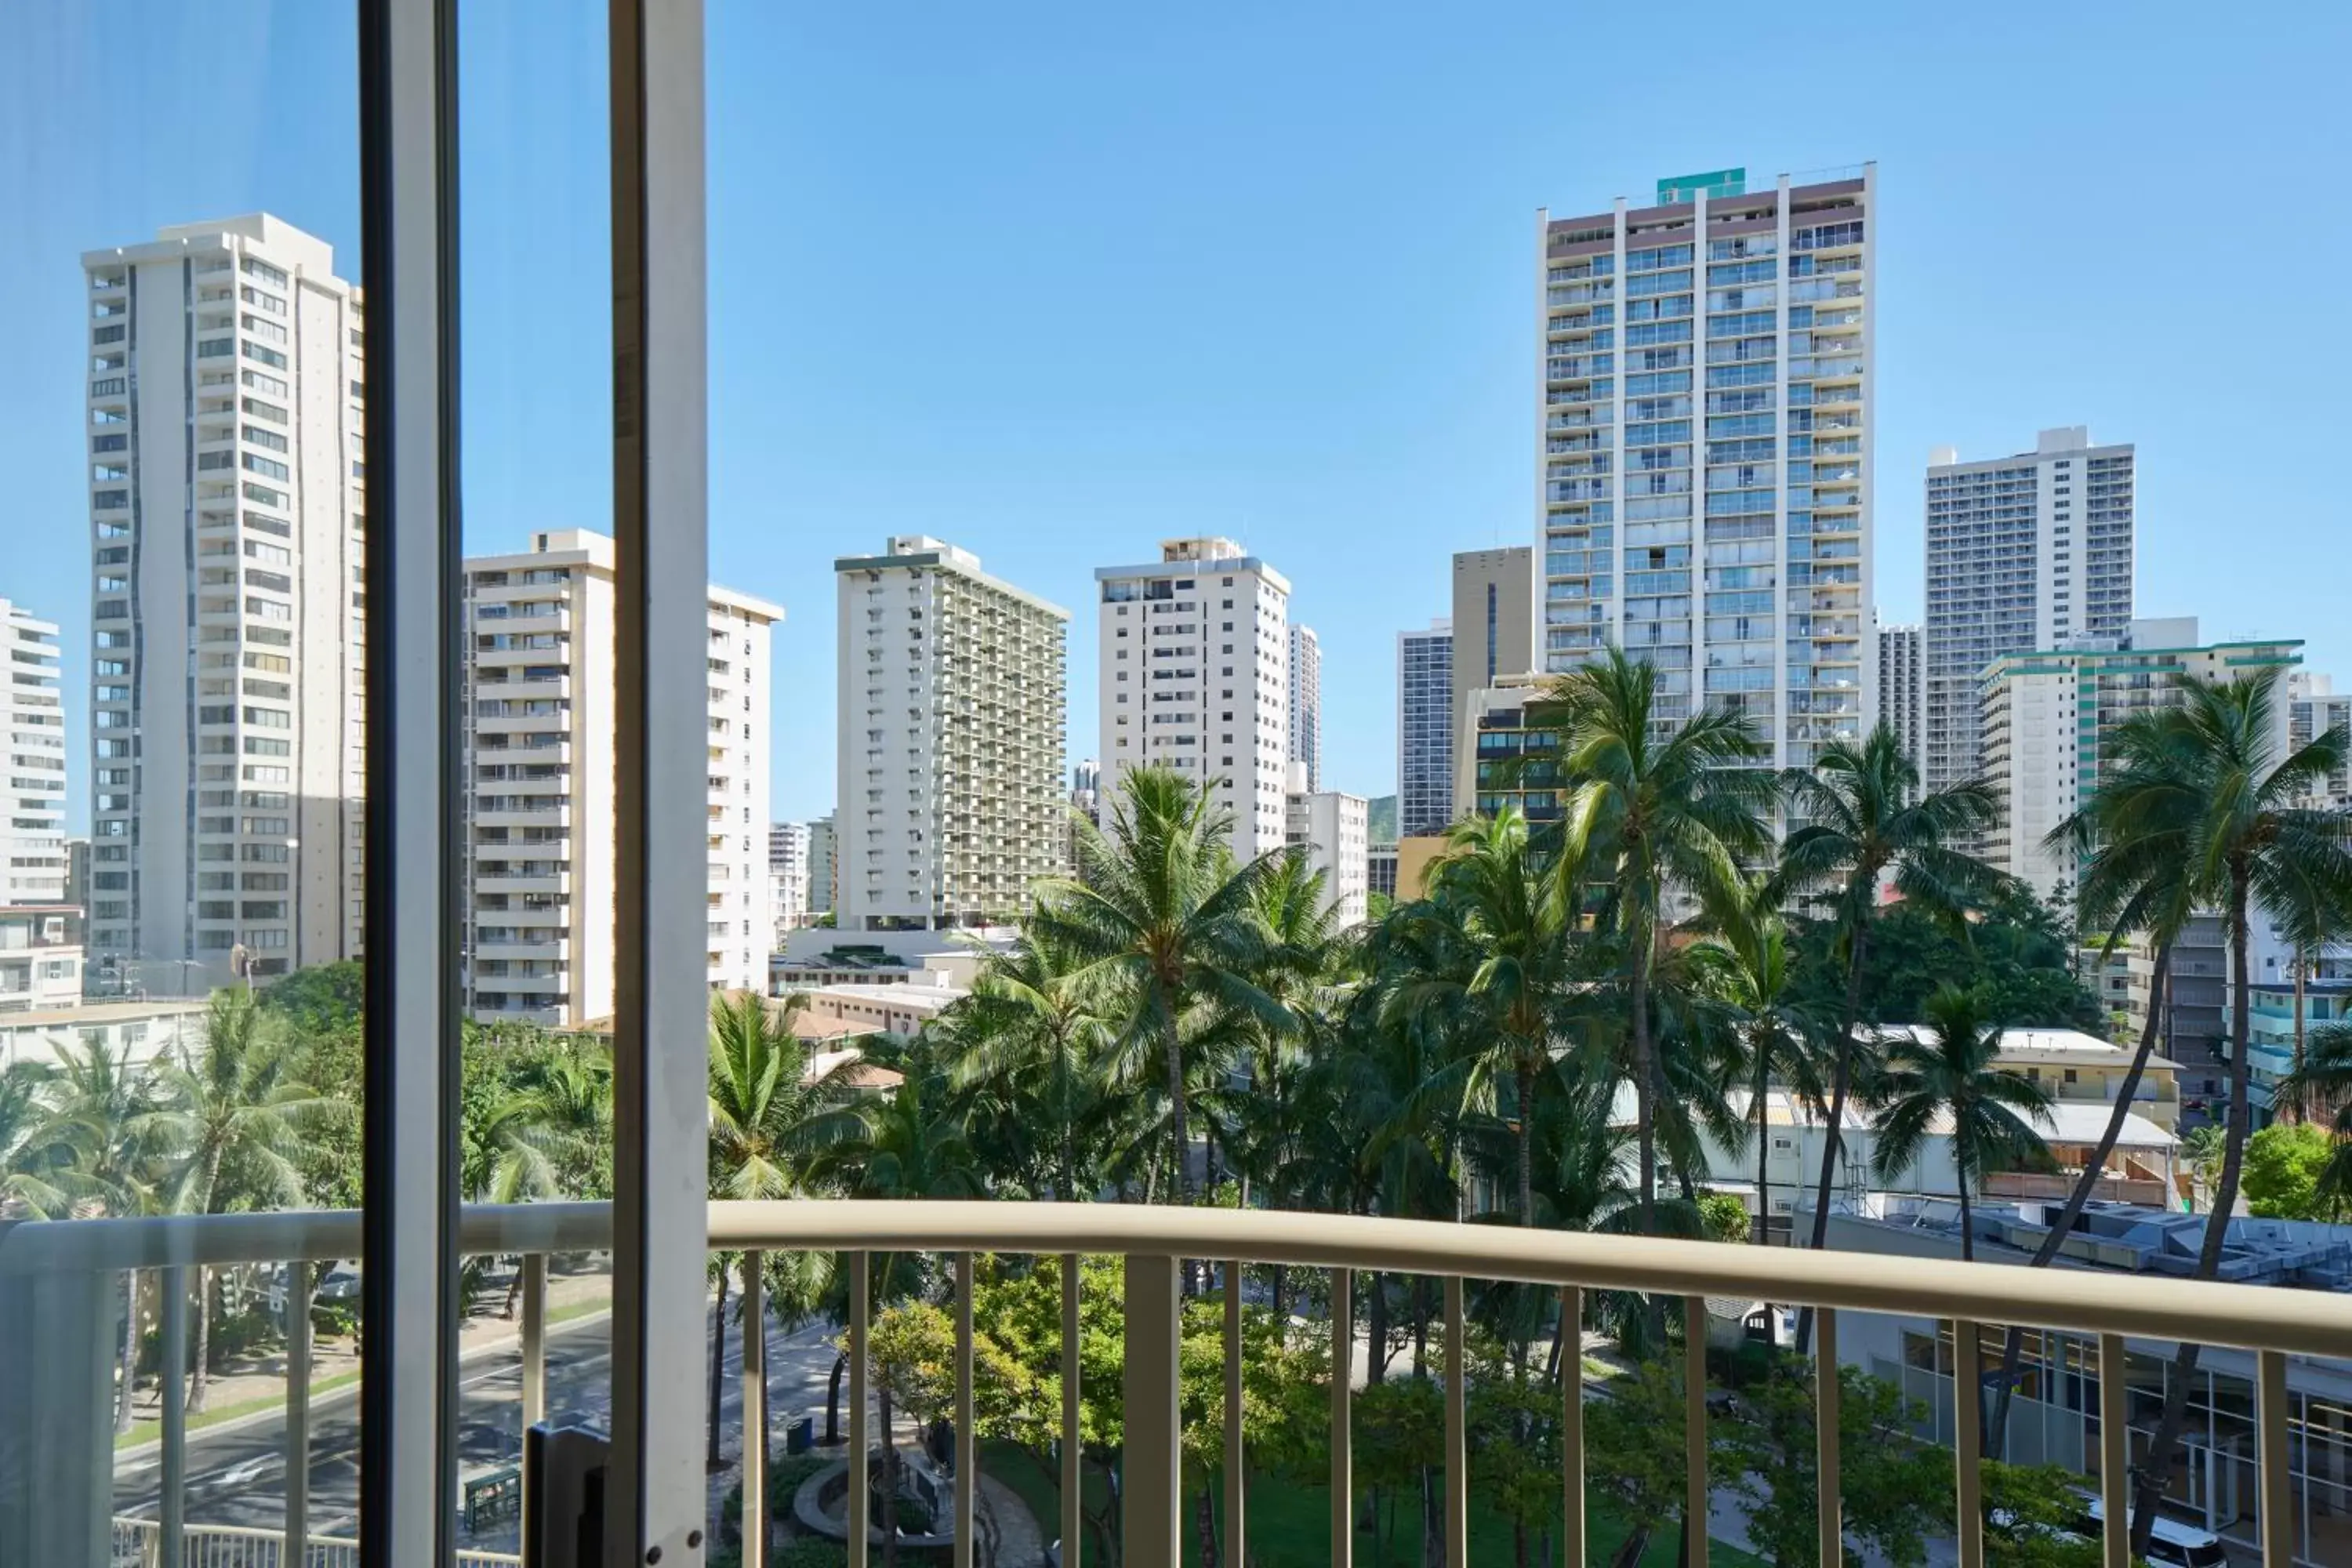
<point x="1894" y="1489"/>
<point x="1650" y="803"/>
<point x="2323" y="1085"/>
<point x="2032" y="1514"/>
<point x="1863" y="820"/>
<point x="1030" y="1037"/>
<point x="2284" y="1164"/>
<point x="1635" y="1454"/>
<point x="1723" y="1218"/>
<point x="1953" y="1079"/>
<point x="29" y="1173"/>
<point x="2013" y="949"/>
<point x="1160" y="915"/>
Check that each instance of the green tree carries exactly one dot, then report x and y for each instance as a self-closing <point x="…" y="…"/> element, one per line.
<point x="29" y="1171"/>
<point x="1031" y="1036"/>
<point x="1861" y="820"/>
<point x="2323" y="1085"/>
<point x="2032" y="1518"/>
<point x="1635" y="1456"/>
<point x="2199" y="786"/>
<point x="1651" y="804"/>
<point x="2284" y="1164"/>
<point x="236" y="1113"/>
<point x="1953" y="1081"/>
<point x="1161" y="914"/>
<point x="1892" y="1489"/>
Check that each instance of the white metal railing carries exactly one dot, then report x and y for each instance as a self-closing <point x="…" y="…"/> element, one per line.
<point x="1155" y="1242"/>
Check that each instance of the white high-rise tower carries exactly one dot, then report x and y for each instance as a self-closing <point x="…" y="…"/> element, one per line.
<point x="227" y="509"/>
<point x="33" y="725"/>
<point x="1306" y="743"/>
<point x="1195" y="651"/>
<point x="1704" y="454"/>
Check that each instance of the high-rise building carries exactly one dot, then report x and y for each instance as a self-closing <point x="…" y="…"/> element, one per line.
<point x="2314" y="708"/>
<point x="1306" y="743"/>
<point x="1903" y="688"/>
<point x="539" y="767"/>
<point x="2023" y="552"/>
<point x="1425" y="730"/>
<point x="952" y="696"/>
<point x="788" y="877"/>
<point x="824" y="863"/>
<point x="1333" y="831"/>
<point x="2048" y="714"/>
<point x="227" y="509"/>
<point x="1496" y="608"/>
<point x="1705" y="447"/>
<point x="1195" y="651"/>
<point x="32" y="863"/>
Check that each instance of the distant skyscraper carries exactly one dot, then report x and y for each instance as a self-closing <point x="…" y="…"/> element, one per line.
<point x="1901" y="688"/>
<point x="2314" y="708"/>
<point x="2023" y="552"/>
<point x="541" y="882"/>
<point x="227" y="664"/>
<point x="1496" y="611"/>
<point x="33" y="862"/>
<point x="952" y="713"/>
<point x="1425" y="730"/>
<point x="1333" y="830"/>
<point x="1715" y="342"/>
<point x="788" y="877"/>
<point x="1195" y="651"/>
<point x="824" y="863"/>
<point x="1306" y="703"/>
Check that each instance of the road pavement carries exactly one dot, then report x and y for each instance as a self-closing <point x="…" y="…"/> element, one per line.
<point x="235" y="1472"/>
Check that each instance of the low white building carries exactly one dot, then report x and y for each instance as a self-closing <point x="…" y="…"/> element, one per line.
<point x="40" y="956"/>
<point x="899" y="1009"/>
<point x="135" y="1031"/>
<point x="1334" y="829"/>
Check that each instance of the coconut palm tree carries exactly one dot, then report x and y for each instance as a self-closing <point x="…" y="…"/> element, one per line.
<point x="235" y="1110"/>
<point x="1745" y="963"/>
<point x="1954" y="1075"/>
<point x="771" y="1113"/>
<point x="1859" y="818"/>
<point x="2203" y="786"/>
<point x="1033" y="1035"/>
<point x="1650" y="805"/>
<point x="29" y="1155"/>
<point x="1161" y="916"/>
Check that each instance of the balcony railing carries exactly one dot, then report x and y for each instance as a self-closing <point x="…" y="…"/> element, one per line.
<point x="73" y="1268"/>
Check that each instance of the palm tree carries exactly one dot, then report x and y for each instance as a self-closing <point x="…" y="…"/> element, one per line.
<point x="1651" y="804"/>
<point x="2201" y="786"/>
<point x="1955" y="1073"/>
<point x="2323" y="1087"/>
<point x="1034" y="1033"/>
<point x="1161" y="914"/>
<point x="769" y="1115"/>
<point x="1860" y="818"/>
<point x="1745" y="963"/>
<point x="232" y="1107"/>
<point x="29" y="1173"/>
<point x="1508" y="959"/>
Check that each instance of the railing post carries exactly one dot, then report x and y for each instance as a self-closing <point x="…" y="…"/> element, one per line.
<point x="2114" y="1452"/>
<point x="1236" y="1454"/>
<point x="173" y="1483"/>
<point x="967" y="1445"/>
<point x="1828" y="1404"/>
<point x="860" y="1439"/>
<point x="1694" y="1491"/>
<point x="297" y="1412"/>
<point x="2278" y="1494"/>
<point x="1073" y="1453"/>
<point x="1153" y="1488"/>
<point x="1571" y="1426"/>
<point x="535" y="1365"/>
<point x="1343" y="1362"/>
<point x="1968" y="1440"/>
<point x="1457" y="1450"/>
<point x="755" y="1414"/>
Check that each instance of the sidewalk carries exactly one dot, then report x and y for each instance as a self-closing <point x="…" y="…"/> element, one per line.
<point x="255" y="1389"/>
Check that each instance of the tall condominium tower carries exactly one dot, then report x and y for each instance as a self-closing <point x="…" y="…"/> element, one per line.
<point x="227" y="509"/>
<point x="1903" y="688"/>
<point x="1425" y="730"/>
<point x="540" y="766"/>
<point x="822" y="864"/>
<point x="2023" y="552"/>
<point x="1495" y="610"/>
<point x="1307" y="704"/>
<point x="2048" y="714"/>
<point x="788" y="876"/>
<point x="952" y="693"/>
<point x="33" y="720"/>
<point x="1705" y="446"/>
<point x="1332" y="831"/>
<point x="1195" y="651"/>
<point x="2314" y="706"/>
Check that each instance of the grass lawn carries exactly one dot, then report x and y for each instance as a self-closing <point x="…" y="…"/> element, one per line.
<point x="150" y="1431"/>
<point x="1289" y="1524"/>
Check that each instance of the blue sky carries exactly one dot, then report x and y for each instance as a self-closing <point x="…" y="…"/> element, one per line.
<point x="1057" y="281"/>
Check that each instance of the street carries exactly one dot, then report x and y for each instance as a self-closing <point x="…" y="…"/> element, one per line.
<point x="235" y="1472"/>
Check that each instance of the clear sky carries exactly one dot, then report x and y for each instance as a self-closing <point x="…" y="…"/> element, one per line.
<point x="1055" y="281"/>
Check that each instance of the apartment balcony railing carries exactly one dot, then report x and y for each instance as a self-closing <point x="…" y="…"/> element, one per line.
<point x="60" y="1275"/>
